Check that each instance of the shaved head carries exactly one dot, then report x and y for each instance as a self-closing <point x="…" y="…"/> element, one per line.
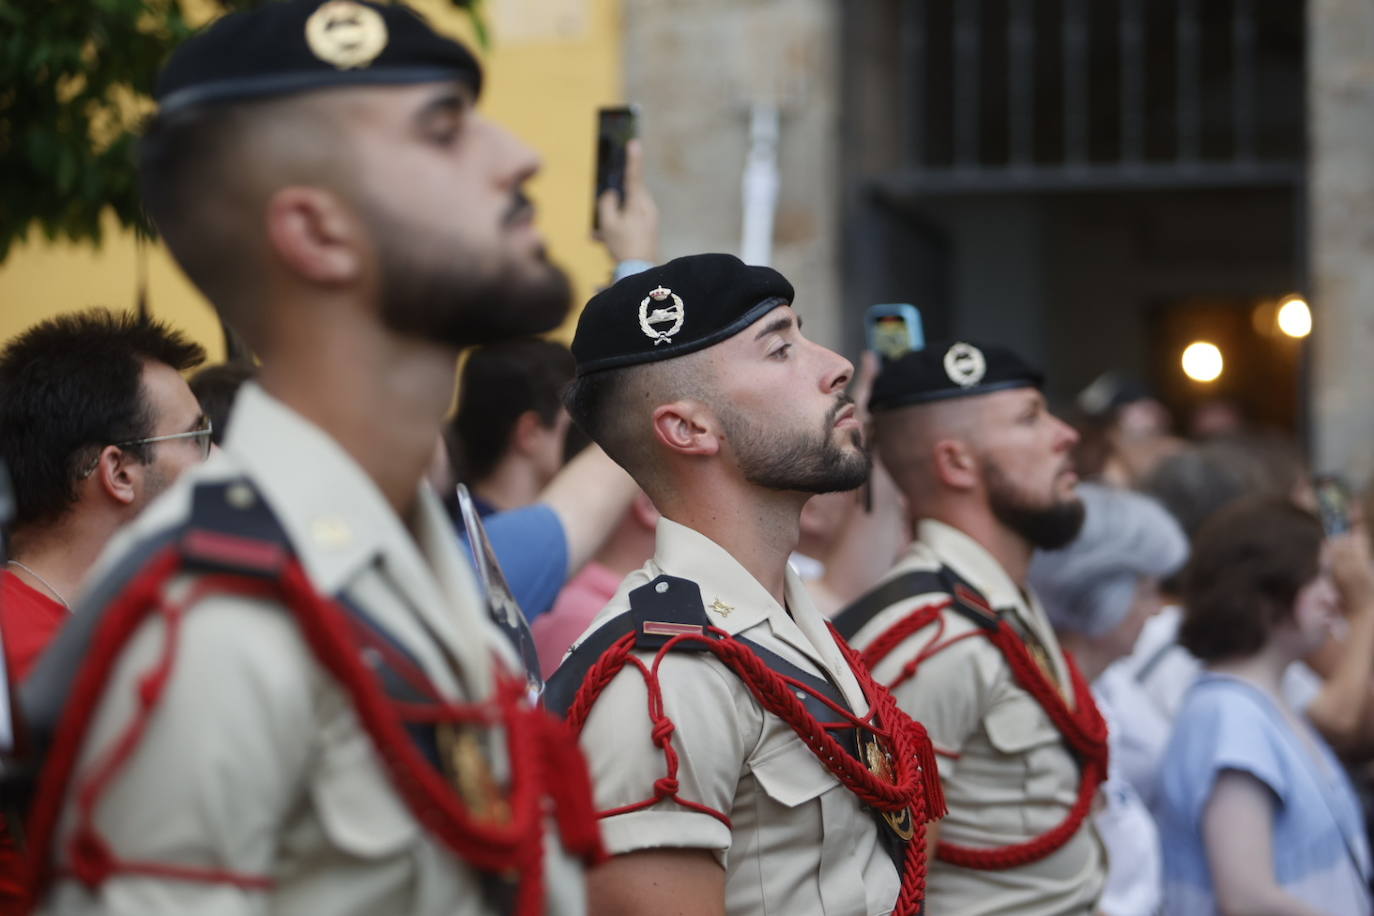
<point x="905" y="440"/>
<point x="206" y="173"/>
<point x="615" y="408"/>
<point x="1003" y="450"/>
<point x="401" y="197"/>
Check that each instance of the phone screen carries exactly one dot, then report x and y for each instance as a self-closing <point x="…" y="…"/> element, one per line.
<point x="894" y="329"/>
<point x="615" y="127"/>
<point x="1333" y="504"/>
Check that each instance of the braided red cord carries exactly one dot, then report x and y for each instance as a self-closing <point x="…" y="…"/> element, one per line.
<point x="916" y="785"/>
<point x="1082" y="727"/>
<point x="548" y="775"/>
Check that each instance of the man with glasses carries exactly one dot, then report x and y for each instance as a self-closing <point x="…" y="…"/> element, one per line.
<point x="95" y="421"/>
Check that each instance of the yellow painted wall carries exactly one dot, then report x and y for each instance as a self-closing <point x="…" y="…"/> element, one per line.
<point x="552" y="62"/>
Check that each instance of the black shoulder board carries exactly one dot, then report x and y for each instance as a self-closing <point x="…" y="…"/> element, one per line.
<point x="968" y="601"/>
<point x="232" y="529"/>
<point x="667" y="607"/>
<point x="664" y="608"/>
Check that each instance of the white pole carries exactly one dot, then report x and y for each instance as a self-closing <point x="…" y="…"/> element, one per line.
<point x="759" y="186"/>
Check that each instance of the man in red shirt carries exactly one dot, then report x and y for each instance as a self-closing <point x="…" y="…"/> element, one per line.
<point x="95" y="421"/>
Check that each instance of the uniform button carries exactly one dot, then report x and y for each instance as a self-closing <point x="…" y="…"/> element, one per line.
<point x="661" y="587"/>
<point x="240" y="496"/>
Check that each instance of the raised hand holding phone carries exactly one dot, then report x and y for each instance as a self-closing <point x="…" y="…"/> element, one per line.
<point x="628" y="221"/>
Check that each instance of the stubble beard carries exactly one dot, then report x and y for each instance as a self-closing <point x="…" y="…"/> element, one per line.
<point x="799" y="461"/>
<point x="458" y="300"/>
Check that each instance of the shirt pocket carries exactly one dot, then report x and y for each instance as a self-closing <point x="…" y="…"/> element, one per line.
<point x="358" y="808"/>
<point x="1018" y="727"/>
<point x="791" y="775"/>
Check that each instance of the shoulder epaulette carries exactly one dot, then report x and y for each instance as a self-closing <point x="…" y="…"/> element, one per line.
<point x="659" y="611"/>
<point x="232" y="529"/>
<point x="965" y="599"/>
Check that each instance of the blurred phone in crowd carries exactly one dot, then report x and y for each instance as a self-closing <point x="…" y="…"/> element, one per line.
<point x="894" y="329"/>
<point x="615" y="127"/>
<point x="1333" y="504"/>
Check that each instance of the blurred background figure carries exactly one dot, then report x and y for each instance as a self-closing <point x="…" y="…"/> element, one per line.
<point x="95" y="422"/>
<point x="628" y="547"/>
<point x="510" y="427"/>
<point x="216" y="386"/>
<point x="1124" y="430"/>
<point x="1216" y="418"/>
<point x="1254" y="810"/>
<point x="1098" y="592"/>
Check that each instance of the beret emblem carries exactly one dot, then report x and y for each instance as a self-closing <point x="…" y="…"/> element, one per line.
<point x="345" y="34"/>
<point x="651" y="322"/>
<point x="965" y="365"/>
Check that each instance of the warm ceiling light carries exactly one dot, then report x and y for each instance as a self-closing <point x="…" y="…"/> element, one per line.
<point x="1202" y="361"/>
<point x="1295" y="318"/>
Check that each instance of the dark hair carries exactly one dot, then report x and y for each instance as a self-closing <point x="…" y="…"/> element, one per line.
<point x="1198" y="481"/>
<point x="72" y="383"/>
<point x="499" y="383"/>
<point x="588" y="399"/>
<point x="178" y="156"/>
<point x="216" y="387"/>
<point x="1249" y="561"/>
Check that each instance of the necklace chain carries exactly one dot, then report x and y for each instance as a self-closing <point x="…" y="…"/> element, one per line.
<point x="43" y="582"/>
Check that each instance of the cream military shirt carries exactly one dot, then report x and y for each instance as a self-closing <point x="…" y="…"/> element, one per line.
<point x="799" y="842"/>
<point x="1007" y="775"/>
<point x="254" y="762"/>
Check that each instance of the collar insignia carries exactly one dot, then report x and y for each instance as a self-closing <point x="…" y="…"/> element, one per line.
<point x="721" y="608"/>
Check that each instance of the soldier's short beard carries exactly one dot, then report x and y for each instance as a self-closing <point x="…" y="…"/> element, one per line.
<point x="457" y="298"/>
<point x="800" y="461"/>
<point x="1044" y="526"/>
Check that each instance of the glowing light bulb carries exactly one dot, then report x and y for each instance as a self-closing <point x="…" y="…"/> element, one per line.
<point x="1295" y="318"/>
<point x="1202" y="361"/>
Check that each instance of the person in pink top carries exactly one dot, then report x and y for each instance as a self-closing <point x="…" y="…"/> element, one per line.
<point x="627" y="549"/>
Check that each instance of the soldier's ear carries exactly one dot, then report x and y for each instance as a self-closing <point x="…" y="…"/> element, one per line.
<point x="316" y="235"/>
<point x="955" y="465"/>
<point x="687" y="427"/>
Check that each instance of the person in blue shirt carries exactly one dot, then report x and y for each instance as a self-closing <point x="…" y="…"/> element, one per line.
<point x="1254" y="810"/>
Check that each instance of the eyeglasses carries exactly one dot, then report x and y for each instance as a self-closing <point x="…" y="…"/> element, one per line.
<point x="202" y="434"/>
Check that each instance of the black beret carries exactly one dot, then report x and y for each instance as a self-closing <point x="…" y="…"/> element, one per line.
<point x="952" y="369"/>
<point x="674" y="309"/>
<point x="298" y="45"/>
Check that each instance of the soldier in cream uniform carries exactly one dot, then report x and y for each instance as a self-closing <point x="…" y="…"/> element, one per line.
<point x="964" y="645"/>
<point x="300" y="703"/>
<point x="696" y="378"/>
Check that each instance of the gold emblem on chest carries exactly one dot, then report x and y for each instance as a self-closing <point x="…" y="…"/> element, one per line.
<point x="879" y="763"/>
<point x="465" y="764"/>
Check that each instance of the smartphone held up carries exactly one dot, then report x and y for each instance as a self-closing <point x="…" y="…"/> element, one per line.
<point x="615" y="128"/>
<point x="893" y="329"/>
